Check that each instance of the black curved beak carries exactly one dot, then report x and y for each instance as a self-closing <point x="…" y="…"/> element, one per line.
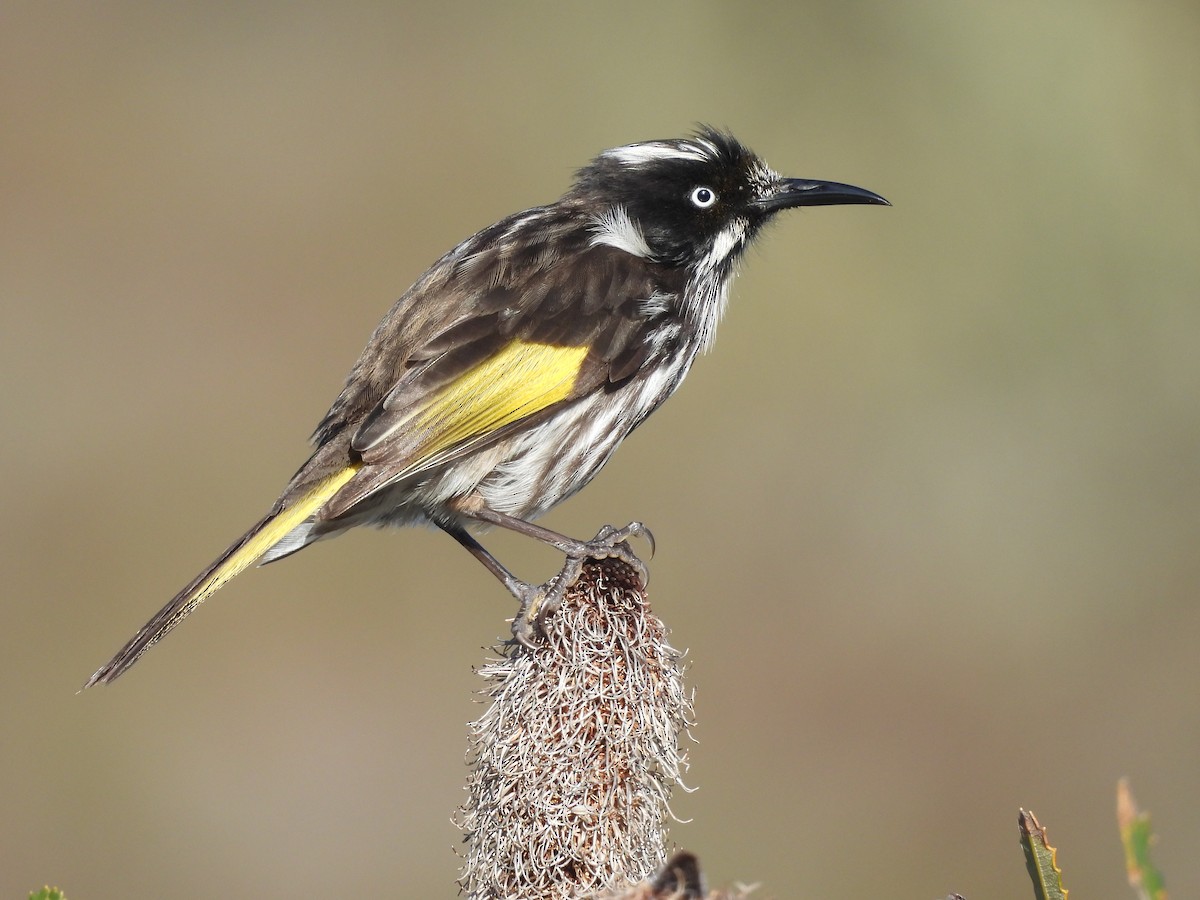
<point x="790" y="192"/>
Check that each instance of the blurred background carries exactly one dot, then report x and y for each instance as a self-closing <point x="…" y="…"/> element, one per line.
<point x="928" y="517"/>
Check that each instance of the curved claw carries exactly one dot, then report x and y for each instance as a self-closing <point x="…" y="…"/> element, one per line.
<point x="610" y="537"/>
<point x="548" y="608"/>
<point x="613" y="543"/>
<point x="539" y="602"/>
<point x="524" y="632"/>
<point x="527" y="624"/>
<point x="645" y="534"/>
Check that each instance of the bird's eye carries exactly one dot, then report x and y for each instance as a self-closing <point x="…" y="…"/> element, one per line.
<point x="703" y="197"/>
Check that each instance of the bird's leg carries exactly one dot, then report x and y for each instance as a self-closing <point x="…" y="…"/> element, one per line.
<point x="538" y="602"/>
<point x="518" y="588"/>
<point x="529" y="595"/>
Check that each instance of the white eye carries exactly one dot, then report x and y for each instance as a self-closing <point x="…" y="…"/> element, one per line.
<point x="703" y="197"/>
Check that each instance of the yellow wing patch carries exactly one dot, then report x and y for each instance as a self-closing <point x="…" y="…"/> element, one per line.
<point x="520" y="380"/>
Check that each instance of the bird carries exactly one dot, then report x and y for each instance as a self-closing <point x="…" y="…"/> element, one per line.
<point x="504" y="379"/>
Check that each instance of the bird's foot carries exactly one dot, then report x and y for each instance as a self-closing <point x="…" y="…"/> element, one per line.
<point x="539" y="602"/>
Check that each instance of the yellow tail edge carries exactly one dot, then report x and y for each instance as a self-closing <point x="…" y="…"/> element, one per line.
<point x="271" y="533"/>
<point x="247" y="550"/>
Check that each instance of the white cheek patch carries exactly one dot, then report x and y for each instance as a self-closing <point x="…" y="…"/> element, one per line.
<point x="616" y="229"/>
<point x="728" y="240"/>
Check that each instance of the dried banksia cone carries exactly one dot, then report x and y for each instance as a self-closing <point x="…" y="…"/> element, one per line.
<point x="574" y="761"/>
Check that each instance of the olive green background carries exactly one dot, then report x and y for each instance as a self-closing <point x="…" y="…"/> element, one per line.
<point x="928" y="517"/>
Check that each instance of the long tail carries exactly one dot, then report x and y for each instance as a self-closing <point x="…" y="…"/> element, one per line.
<point x="244" y="552"/>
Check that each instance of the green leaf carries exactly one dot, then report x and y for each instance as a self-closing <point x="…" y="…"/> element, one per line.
<point x="48" y="893"/>
<point x="1136" y="837"/>
<point x="1040" y="858"/>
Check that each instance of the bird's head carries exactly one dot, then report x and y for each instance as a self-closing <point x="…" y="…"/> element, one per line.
<point x="693" y="202"/>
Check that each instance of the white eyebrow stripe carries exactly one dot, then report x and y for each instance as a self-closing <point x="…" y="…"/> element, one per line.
<point x="616" y="229"/>
<point x="640" y="154"/>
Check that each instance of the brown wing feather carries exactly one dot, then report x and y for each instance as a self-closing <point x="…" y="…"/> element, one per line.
<point x="539" y="282"/>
